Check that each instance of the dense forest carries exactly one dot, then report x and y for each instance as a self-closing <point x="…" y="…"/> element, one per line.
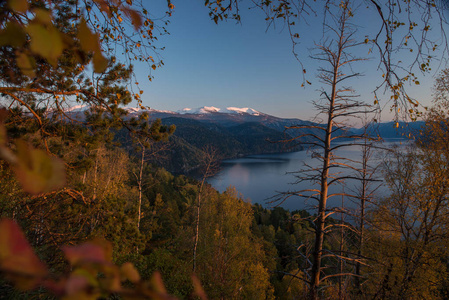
<point x="86" y="213"/>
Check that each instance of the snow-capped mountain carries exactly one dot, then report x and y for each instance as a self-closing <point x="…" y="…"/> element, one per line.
<point x="229" y="116"/>
<point x="212" y="109"/>
<point x="185" y="111"/>
<point x="77" y="108"/>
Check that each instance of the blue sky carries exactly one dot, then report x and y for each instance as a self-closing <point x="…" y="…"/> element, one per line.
<point x="245" y="65"/>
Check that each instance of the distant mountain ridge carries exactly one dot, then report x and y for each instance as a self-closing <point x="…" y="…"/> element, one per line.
<point x="234" y="132"/>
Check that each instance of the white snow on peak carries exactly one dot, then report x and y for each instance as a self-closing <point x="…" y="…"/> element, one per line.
<point x="198" y="111"/>
<point x="186" y="110"/>
<point x="132" y="109"/>
<point x="77" y="108"/>
<point x="212" y="109"/>
<point x="242" y="110"/>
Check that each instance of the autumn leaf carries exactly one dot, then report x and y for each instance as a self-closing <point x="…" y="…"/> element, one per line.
<point x="37" y="171"/>
<point x="100" y="62"/>
<point x="134" y="16"/>
<point x="197" y="288"/>
<point x="17" y="258"/>
<point x="26" y="64"/>
<point x="12" y="35"/>
<point x="45" y="41"/>
<point x="128" y="271"/>
<point x="43" y="16"/>
<point x="18" y="5"/>
<point x="90" y="43"/>
<point x="98" y="251"/>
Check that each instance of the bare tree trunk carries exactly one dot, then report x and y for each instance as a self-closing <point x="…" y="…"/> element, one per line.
<point x="321" y="218"/>
<point x="139" y="183"/>
<point x="210" y="168"/>
<point x="197" y="225"/>
<point x="340" y="261"/>
<point x="94" y="196"/>
<point x="363" y="198"/>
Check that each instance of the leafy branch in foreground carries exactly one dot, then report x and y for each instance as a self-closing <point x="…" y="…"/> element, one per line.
<point x="92" y="275"/>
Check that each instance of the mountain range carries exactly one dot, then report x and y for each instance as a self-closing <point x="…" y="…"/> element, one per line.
<point x="234" y="132"/>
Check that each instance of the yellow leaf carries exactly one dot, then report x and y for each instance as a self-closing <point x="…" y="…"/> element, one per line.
<point x="12" y="35"/>
<point x="26" y="64"/>
<point x="18" y="5"/>
<point x="43" y="16"/>
<point x="3" y="135"/>
<point x="100" y="62"/>
<point x="88" y="40"/>
<point x="171" y="6"/>
<point x="45" y="41"/>
<point x="153" y="67"/>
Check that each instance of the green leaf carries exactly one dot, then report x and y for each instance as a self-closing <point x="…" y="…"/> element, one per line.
<point x="37" y="171"/>
<point x="18" y="5"/>
<point x="46" y="41"/>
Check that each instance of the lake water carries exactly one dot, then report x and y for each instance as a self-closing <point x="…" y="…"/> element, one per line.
<point x="260" y="177"/>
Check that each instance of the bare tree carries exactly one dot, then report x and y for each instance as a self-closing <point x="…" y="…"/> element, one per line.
<point x="367" y="183"/>
<point x="335" y="107"/>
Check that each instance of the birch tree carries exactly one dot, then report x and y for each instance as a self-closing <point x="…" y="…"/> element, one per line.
<point x="144" y="135"/>
<point x="209" y="168"/>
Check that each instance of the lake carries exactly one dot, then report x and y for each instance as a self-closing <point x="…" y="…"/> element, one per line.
<point x="260" y="177"/>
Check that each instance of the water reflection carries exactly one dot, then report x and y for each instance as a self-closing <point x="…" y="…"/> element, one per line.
<point x="261" y="177"/>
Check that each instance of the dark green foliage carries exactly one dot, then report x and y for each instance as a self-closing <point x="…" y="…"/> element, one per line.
<point x="184" y="151"/>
